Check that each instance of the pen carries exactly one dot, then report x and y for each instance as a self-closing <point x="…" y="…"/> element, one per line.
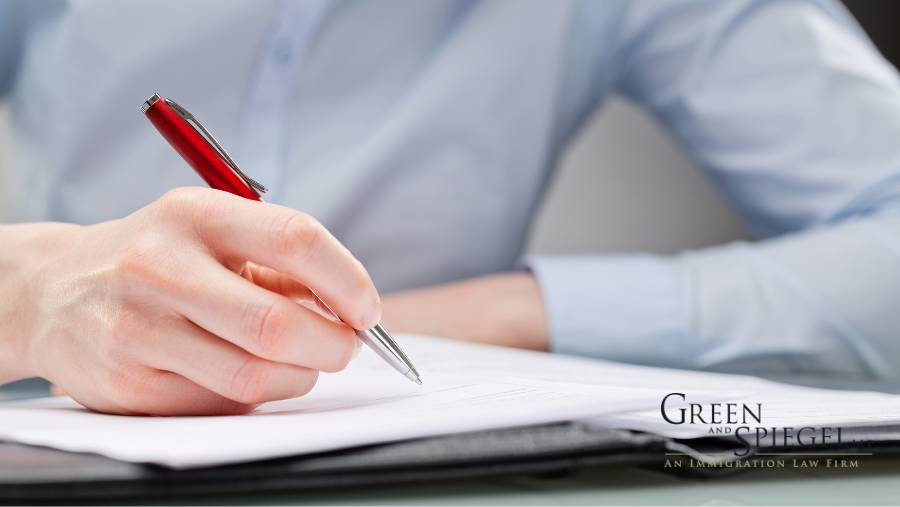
<point x="204" y="154"/>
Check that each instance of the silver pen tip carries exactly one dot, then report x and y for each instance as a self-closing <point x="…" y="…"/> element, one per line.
<point x="419" y="381"/>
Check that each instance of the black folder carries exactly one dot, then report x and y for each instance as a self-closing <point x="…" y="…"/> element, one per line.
<point x="29" y="473"/>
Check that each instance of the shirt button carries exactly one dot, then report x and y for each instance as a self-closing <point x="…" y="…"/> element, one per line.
<point x="282" y="53"/>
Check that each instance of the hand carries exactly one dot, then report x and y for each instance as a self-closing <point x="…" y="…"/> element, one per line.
<point x="163" y="312"/>
<point x="504" y="309"/>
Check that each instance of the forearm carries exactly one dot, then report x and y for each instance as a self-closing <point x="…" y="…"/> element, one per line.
<point x="819" y="301"/>
<point x="503" y="309"/>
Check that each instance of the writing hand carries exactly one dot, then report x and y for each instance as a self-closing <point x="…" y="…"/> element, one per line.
<point x="200" y="303"/>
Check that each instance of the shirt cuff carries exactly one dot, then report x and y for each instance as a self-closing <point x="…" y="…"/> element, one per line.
<point x="630" y="308"/>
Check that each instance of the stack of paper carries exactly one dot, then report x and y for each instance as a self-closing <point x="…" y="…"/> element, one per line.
<point x="467" y="387"/>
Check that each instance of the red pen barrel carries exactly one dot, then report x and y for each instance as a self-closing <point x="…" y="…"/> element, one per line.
<point x="197" y="151"/>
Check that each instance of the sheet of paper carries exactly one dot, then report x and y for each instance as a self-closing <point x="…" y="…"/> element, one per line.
<point x="778" y="406"/>
<point x="467" y="388"/>
<point x="782" y="405"/>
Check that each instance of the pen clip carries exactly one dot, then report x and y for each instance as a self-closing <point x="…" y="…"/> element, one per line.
<point x="188" y="117"/>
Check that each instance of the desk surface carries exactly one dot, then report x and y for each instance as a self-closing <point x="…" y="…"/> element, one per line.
<point x="875" y="482"/>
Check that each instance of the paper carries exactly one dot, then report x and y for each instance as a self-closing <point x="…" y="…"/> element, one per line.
<point x="782" y="405"/>
<point x="467" y="387"/>
<point x="778" y="406"/>
<point x="367" y="403"/>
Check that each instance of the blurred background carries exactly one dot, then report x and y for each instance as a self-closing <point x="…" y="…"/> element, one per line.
<point x="624" y="185"/>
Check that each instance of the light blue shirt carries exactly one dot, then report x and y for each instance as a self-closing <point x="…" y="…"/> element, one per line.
<point x="423" y="134"/>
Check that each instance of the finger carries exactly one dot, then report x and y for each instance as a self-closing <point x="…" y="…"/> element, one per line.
<point x="263" y="323"/>
<point x="147" y="391"/>
<point x="222" y="367"/>
<point x="285" y="240"/>
<point x="280" y="283"/>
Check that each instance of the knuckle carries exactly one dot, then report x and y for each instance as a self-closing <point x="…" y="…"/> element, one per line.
<point x="306" y="383"/>
<point x="362" y="283"/>
<point x="192" y="207"/>
<point x="251" y="382"/>
<point x="147" y="263"/>
<point x="342" y="348"/>
<point x="124" y="329"/>
<point x="269" y="328"/>
<point x="227" y="406"/>
<point x="176" y="201"/>
<point x="130" y="383"/>
<point x="297" y="236"/>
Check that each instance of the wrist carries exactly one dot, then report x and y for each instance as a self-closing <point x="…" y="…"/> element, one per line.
<point x="24" y="252"/>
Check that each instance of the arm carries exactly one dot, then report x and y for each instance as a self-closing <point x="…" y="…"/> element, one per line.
<point x="796" y="118"/>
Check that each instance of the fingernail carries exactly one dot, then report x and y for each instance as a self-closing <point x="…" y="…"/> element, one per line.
<point x="373" y="316"/>
<point x="359" y="346"/>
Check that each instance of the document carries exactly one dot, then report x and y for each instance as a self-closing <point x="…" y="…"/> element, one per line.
<point x="467" y="387"/>
<point x="773" y="407"/>
<point x="777" y="405"/>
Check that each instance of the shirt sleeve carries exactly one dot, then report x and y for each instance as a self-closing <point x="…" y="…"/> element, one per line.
<point x="795" y="117"/>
